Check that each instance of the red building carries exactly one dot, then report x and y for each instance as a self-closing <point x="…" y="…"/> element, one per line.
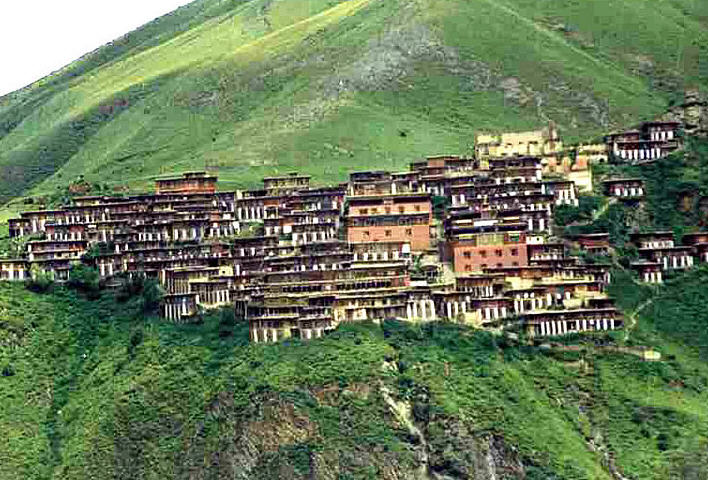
<point x="486" y="243"/>
<point x="189" y="182"/>
<point x="390" y="217"/>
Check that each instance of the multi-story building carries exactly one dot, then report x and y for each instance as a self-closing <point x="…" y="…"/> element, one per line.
<point x="649" y="142"/>
<point x="592" y="243"/>
<point x="699" y="241"/>
<point x="658" y="247"/>
<point x="542" y="143"/>
<point x="436" y="174"/>
<point x="382" y="210"/>
<point x="473" y="245"/>
<point x="625" y="188"/>
<point x="188" y="182"/>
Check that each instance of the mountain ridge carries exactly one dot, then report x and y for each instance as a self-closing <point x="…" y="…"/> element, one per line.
<point x="333" y="86"/>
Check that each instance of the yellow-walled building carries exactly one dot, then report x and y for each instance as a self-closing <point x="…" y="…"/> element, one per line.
<point x="539" y="143"/>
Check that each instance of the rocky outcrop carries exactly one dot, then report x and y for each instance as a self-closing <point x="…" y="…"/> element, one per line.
<point x="693" y="113"/>
<point x="277" y="438"/>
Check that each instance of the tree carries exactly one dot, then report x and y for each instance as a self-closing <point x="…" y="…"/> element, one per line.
<point x="39" y="281"/>
<point x="84" y="278"/>
<point x="151" y="295"/>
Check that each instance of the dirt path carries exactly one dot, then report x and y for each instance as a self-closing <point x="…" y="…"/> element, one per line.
<point x="643" y="352"/>
<point x="596" y="215"/>
<point x="632" y="317"/>
<point x="603" y="209"/>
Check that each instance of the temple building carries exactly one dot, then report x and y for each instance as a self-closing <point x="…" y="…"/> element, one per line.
<point x="625" y="188"/>
<point x="383" y="210"/>
<point x="592" y="243"/>
<point x="699" y="241"/>
<point x="188" y="182"/>
<point x="544" y="143"/>
<point x="648" y="271"/>
<point x="649" y="142"/>
<point x="479" y="244"/>
<point x="296" y="260"/>
<point x="436" y="174"/>
<point x="658" y="247"/>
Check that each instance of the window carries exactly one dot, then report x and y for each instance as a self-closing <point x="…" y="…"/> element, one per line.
<point x="498" y="253"/>
<point x="388" y="233"/>
<point x="467" y="254"/>
<point x="366" y="234"/>
<point x="363" y="211"/>
<point x="409" y="231"/>
<point x="388" y="209"/>
<point x="373" y="211"/>
<point x="484" y="265"/>
<point x="468" y="268"/>
<point x="499" y="265"/>
<point x="515" y="264"/>
<point x="417" y="208"/>
<point x="515" y="252"/>
<point x="401" y="209"/>
<point x="483" y="253"/>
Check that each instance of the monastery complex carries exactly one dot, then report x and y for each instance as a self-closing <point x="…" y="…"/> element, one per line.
<point x="469" y="240"/>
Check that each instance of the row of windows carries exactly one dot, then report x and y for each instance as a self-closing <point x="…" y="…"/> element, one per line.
<point x="498" y="253"/>
<point x="374" y="211"/>
<point x="470" y="268"/>
<point x="387" y="221"/>
<point x="388" y="233"/>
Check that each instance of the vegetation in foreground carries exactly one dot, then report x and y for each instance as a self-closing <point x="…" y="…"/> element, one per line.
<point x="94" y="388"/>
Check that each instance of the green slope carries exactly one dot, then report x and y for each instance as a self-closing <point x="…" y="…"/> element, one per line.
<point x="91" y="389"/>
<point x="326" y="86"/>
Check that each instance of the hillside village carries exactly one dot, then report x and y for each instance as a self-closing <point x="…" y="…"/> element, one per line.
<point x="465" y="239"/>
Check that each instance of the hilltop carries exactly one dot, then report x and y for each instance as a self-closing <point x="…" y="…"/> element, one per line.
<point x="325" y="87"/>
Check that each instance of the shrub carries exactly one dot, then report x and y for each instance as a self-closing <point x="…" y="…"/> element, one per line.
<point x="566" y="214"/>
<point x="146" y="290"/>
<point x="227" y="319"/>
<point x="151" y="296"/>
<point x="85" y="279"/>
<point x="39" y="281"/>
<point x="7" y="371"/>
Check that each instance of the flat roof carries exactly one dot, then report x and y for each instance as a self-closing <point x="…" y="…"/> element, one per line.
<point x="615" y="180"/>
<point x="648" y="234"/>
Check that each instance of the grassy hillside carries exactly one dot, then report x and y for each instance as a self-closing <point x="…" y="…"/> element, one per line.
<point x="91" y="388"/>
<point x="327" y="86"/>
